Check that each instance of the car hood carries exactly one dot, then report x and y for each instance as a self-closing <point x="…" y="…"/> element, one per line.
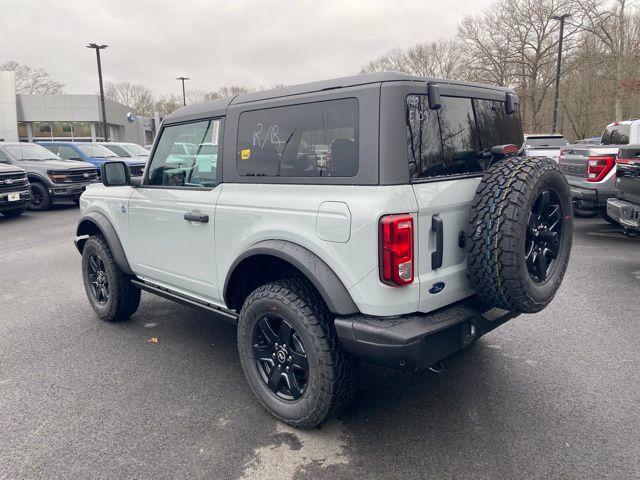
<point x="127" y="160"/>
<point x="4" y="168"/>
<point x="55" y="164"/>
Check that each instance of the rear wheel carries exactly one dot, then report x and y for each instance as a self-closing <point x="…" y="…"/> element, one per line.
<point x="291" y="355"/>
<point x="109" y="290"/>
<point x="520" y="234"/>
<point x="40" y="198"/>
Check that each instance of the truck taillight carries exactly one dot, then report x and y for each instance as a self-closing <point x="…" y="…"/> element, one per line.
<point x="599" y="167"/>
<point x="396" y="249"/>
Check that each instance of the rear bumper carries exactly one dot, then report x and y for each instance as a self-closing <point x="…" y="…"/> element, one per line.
<point x="25" y="198"/>
<point x="414" y="342"/>
<point x="625" y="213"/>
<point x="590" y="199"/>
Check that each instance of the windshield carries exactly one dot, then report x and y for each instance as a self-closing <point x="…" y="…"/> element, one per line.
<point x="616" y="134"/>
<point x="118" y="150"/>
<point x="544" y="142"/>
<point x="29" y="151"/>
<point x="135" y="149"/>
<point x="97" y="151"/>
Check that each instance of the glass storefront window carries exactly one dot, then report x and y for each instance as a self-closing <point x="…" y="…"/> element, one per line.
<point x="62" y="129"/>
<point x="23" y="131"/>
<point x="41" y="129"/>
<point x="81" y="129"/>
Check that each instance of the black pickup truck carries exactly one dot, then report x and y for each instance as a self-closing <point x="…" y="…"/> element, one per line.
<point x="625" y="208"/>
<point x="15" y="192"/>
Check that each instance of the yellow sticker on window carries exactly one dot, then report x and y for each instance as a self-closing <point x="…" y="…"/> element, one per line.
<point x="245" y="154"/>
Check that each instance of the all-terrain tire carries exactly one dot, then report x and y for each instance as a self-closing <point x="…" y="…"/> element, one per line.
<point x="123" y="297"/>
<point x="497" y="233"/>
<point x="40" y="198"/>
<point x="332" y="371"/>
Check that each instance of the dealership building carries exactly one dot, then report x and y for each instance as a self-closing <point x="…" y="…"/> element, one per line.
<point x="33" y="117"/>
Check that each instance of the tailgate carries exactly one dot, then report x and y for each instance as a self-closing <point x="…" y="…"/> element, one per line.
<point x="448" y="203"/>
<point x="628" y="173"/>
<point x="574" y="162"/>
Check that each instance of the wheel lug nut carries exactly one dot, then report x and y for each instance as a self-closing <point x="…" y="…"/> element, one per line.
<point x="289" y="358"/>
<point x="287" y="368"/>
<point x="273" y="354"/>
<point x="279" y="367"/>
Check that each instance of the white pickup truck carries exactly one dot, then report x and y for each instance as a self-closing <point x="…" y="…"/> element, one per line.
<point x="590" y="169"/>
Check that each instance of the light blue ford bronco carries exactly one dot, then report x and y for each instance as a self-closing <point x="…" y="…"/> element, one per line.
<point x="382" y="217"/>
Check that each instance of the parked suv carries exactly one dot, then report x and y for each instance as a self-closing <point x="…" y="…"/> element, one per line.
<point x="625" y="208"/>
<point x="51" y="178"/>
<point x="93" y="153"/>
<point x="421" y="232"/>
<point x="15" y="193"/>
<point x="127" y="150"/>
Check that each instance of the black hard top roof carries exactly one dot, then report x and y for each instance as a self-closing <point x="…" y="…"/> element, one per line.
<point x="218" y="107"/>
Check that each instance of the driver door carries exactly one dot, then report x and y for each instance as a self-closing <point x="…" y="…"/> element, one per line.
<point x="171" y="215"/>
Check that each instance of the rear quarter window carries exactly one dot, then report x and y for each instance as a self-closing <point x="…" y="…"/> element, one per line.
<point x="446" y="142"/>
<point x="616" y="135"/>
<point x="308" y="140"/>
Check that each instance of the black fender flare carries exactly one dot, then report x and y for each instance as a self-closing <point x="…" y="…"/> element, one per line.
<point x="330" y="287"/>
<point x="38" y="178"/>
<point x="88" y="225"/>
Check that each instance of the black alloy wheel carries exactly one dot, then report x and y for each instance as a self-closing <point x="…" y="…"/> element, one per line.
<point x="37" y="198"/>
<point x="98" y="279"/>
<point x="544" y="230"/>
<point x="280" y="357"/>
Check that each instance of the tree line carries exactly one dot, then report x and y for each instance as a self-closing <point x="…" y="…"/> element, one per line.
<point x="511" y="43"/>
<point x="515" y="43"/>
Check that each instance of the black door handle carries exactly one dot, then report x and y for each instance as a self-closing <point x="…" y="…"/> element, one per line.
<point x="196" y="217"/>
<point x="436" y="256"/>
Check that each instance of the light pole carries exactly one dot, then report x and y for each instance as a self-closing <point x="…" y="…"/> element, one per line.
<point x="554" y="122"/>
<point x="184" y="97"/>
<point x="97" y="48"/>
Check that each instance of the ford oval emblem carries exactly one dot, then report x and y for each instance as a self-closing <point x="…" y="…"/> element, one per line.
<point x="437" y="287"/>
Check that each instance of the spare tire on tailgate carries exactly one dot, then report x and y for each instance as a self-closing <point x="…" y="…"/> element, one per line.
<point x="519" y="234"/>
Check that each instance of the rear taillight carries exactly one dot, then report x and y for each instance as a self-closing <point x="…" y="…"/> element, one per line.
<point x="599" y="167"/>
<point x="396" y="249"/>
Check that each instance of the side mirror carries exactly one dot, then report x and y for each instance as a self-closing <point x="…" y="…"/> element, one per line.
<point x="115" y="174"/>
<point x="433" y="92"/>
<point x="510" y="104"/>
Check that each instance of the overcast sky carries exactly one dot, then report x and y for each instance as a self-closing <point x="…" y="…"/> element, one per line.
<point x="253" y="43"/>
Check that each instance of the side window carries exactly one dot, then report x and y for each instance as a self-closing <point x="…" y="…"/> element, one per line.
<point x="308" y="140"/>
<point x="447" y="141"/>
<point x="68" y="153"/>
<point x="3" y="157"/>
<point x="423" y="132"/>
<point x="444" y="141"/>
<point x="186" y="155"/>
<point x="51" y="148"/>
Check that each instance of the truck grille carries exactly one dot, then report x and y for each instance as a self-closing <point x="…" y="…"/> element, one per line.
<point x="13" y="182"/>
<point x="74" y="176"/>
<point x="136" y="170"/>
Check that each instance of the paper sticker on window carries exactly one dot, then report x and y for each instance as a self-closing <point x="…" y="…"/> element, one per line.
<point x="245" y="154"/>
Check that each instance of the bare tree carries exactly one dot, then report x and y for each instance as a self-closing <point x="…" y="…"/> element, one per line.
<point x="617" y="30"/>
<point x="32" y="80"/>
<point x="136" y="96"/>
<point x="393" y="61"/>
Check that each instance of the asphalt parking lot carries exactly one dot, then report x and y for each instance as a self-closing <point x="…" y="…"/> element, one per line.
<point x="551" y="395"/>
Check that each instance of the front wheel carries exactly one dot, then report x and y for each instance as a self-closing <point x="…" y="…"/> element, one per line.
<point x="109" y="290"/>
<point x="40" y="198"/>
<point x="291" y="355"/>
